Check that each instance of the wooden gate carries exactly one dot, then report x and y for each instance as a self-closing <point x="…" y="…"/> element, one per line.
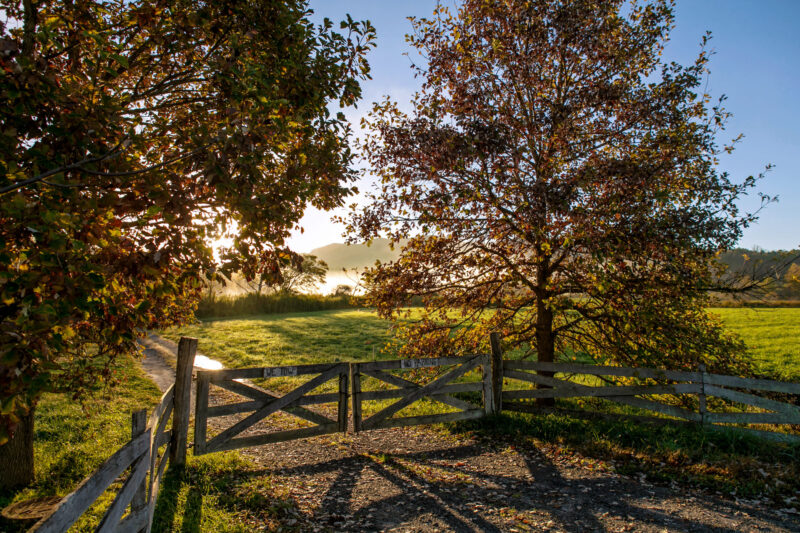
<point x="263" y="403"/>
<point x="440" y="390"/>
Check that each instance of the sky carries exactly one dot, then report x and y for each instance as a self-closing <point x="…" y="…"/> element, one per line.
<point x="756" y="65"/>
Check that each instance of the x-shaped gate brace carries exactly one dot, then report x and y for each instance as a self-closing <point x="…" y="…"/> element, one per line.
<point x="410" y="392"/>
<point x="262" y="403"/>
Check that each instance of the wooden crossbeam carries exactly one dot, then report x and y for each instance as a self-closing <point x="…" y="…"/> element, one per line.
<point x="406" y="385"/>
<point x="574" y="389"/>
<point x="420" y="392"/>
<point x="264" y="398"/>
<point x="751" y="399"/>
<point x="273" y="406"/>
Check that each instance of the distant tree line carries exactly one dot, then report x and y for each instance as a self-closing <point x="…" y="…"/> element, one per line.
<point x="768" y="276"/>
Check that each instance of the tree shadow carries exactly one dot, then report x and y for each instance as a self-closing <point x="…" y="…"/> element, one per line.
<point x="399" y="490"/>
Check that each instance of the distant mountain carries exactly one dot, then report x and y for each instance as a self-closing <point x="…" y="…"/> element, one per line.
<point x="349" y="256"/>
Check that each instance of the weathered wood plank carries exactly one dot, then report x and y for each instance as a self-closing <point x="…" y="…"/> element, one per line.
<point x="429" y="419"/>
<point x="427" y="390"/>
<point x="596" y="370"/>
<point x="356" y="395"/>
<point x="155" y="485"/>
<point x="229" y="374"/>
<point x="753" y="400"/>
<point x="752" y="418"/>
<point x="495" y="366"/>
<point x="77" y="502"/>
<point x="135" y="522"/>
<point x="753" y="384"/>
<point x="139" y="426"/>
<point x="138" y="475"/>
<point x="634" y="390"/>
<point x="266" y="398"/>
<point x="400" y="364"/>
<point x="187" y="347"/>
<point x="399" y="393"/>
<point x="272" y="407"/>
<point x="270" y="438"/>
<point x="164" y="404"/>
<point x="406" y="385"/>
<point x="342" y="404"/>
<point x="244" y="407"/>
<point x="201" y="414"/>
<point x="626" y="400"/>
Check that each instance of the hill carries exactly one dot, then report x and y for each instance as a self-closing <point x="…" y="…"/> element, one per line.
<point x="351" y="256"/>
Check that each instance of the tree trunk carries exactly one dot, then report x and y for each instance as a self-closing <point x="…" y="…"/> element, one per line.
<point x="16" y="456"/>
<point x="545" y="345"/>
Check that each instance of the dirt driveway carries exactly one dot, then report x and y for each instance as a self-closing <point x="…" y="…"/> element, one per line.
<point x="422" y="479"/>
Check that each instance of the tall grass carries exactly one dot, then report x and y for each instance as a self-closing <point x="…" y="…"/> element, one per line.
<point x="261" y="304"/>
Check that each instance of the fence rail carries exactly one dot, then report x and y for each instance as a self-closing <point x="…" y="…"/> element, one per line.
<point x="738" y="405"/>
<point x="146" y="455"/>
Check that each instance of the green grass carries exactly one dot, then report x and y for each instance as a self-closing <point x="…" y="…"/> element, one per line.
<point x="222" y="493"/>
<point x="290" y="339"/>
<point x="772" y="337"/>
<point x="70" y="442"/>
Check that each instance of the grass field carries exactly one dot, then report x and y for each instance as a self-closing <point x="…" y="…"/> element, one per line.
<point x="772" y="336"/>
<point x="72" y="442"/>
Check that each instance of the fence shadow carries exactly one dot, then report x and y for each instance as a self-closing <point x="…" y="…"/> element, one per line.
<point x="370" y="492"/>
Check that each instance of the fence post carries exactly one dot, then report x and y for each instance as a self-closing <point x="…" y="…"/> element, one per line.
<point x="201" y="413"/>
<point x="343" y="397"/>
<point x="187" y="347"/>
<point x="702" y="396"/>
<point x="355" y="386"/>
<point x="496" y="364"/>
<point x="139" y="426"/>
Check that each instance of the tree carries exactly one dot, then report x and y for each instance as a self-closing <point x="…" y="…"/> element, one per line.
<point x="557" y="182"/>
<point x="343" y="290"/>
<point x="305" y="273"/>
<point x="133" y="134"/>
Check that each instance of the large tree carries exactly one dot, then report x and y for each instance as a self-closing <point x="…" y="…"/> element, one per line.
<point x="135" y="133"/>
<point x="558" y="182"/>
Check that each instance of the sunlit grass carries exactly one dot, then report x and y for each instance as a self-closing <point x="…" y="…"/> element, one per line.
<point x="772" y="336"/>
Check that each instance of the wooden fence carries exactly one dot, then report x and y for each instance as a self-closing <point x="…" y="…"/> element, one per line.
<point x="656" y="391"/>
<point x="146" y="455"/>
<point x="642" y="388"/>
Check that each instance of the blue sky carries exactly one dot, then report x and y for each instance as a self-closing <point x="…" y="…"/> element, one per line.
<point x="756" y="65"/>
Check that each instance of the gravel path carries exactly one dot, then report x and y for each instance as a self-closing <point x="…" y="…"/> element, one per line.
<point x="422" y="479"/>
